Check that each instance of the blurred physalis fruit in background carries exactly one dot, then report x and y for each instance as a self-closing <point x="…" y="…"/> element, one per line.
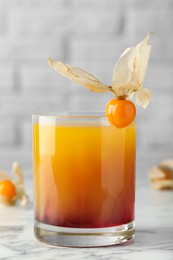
<point x="11" y="191"/>
<point x="8" y="190"/>
<point x="161" y="175"/>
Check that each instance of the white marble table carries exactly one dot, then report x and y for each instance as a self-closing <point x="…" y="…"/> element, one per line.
<point x="153" y="240"/>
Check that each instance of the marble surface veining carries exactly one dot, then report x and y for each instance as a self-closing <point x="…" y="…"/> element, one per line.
<point x="153" y="239"/>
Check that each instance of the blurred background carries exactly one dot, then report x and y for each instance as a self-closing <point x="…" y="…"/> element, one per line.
<point x="90" y="34"/>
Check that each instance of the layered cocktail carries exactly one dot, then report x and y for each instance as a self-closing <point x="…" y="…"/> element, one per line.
<point x="84" y="174"/>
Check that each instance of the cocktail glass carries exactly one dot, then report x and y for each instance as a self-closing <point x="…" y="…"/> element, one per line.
<point x="84" y="180"/>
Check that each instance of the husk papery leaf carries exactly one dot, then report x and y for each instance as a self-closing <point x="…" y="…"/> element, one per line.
<point x="130" y="70"/>
<point x="20" y="188"/>
<point x="122" y="74"/>
<point x="18" y="172"/>
<point x="125" y="91"/>
<point x="78" y="75"/>
<point x="144" y="54"/>
<point x="142" y="97"/>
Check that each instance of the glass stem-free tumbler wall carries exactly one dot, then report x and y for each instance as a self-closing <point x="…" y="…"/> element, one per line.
<point x="84" y="180"/>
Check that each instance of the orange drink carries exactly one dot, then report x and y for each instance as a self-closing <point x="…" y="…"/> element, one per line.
<point x="84" y="179"/>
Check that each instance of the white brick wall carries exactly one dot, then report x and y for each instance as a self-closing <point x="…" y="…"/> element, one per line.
<point x="6" y="78"/>
<point x="90" y="34"/>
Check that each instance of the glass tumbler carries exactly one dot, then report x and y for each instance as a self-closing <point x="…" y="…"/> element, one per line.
<point x="84" y="180"/>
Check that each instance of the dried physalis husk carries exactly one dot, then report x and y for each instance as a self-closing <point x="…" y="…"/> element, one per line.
<point x="78" y="75"/>
<point x="20" y="191"/>
<point x="128" y="75"/>
<point x="130" y="70"/>
<point x="161" y="176"/>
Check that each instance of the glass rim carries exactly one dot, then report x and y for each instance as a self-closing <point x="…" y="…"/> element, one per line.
<point x="74" y="118"/>
<point x="72" y="115"/>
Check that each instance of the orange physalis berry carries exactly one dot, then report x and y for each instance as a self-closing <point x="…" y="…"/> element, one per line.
<point x="120" y="112"/>
<point x="7" y="189"/>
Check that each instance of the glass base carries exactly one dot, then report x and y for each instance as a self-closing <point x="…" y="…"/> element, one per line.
<point x="83" y="237"/>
